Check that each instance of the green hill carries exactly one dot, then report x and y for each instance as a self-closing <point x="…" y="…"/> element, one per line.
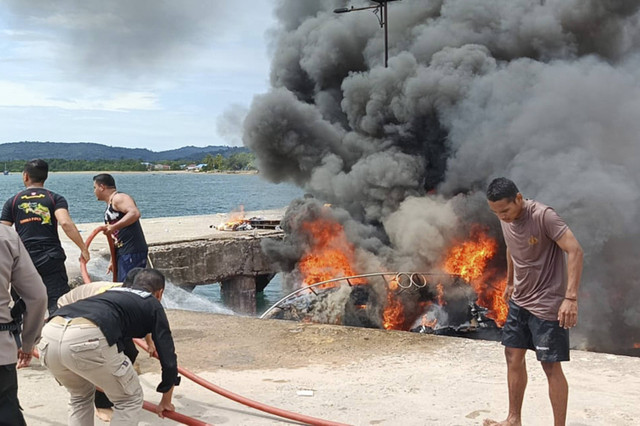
<point x="13" y="151"/>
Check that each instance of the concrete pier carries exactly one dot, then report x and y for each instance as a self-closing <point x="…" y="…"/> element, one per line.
<point x="190" y="251"/>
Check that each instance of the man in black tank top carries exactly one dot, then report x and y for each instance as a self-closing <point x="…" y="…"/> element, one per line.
<point x="36" y="213"/>
<point x="123" y="225"/>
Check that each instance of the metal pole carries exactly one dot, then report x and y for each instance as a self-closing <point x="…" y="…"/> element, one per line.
<point x="386" y="35"/>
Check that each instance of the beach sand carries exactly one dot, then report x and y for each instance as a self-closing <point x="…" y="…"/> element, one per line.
<point x="344" y="374"/>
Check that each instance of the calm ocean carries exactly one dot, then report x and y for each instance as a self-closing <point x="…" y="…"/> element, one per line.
<point x="173" y="194"/>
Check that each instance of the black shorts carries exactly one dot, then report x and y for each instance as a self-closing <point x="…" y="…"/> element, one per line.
<point x="57" y="284"/>
<point x="524" y="330"/>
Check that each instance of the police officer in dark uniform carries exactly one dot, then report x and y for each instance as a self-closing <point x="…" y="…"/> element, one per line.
<point x="82" y="347"/>
<point x="36" y="213"/>
<point x="17" y="272"/>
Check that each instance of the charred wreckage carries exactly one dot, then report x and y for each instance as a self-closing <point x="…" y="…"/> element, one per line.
<point x="427" y="303"/>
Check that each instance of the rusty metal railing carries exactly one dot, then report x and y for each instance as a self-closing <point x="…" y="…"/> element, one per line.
<point x="405" y="280"/>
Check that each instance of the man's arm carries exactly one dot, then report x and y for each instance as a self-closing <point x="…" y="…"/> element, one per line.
<point x="7" y="217"/>
<point x="568" y="312"/>
<point x="165" y="403"/>
<point x="26" y="281"/>
<point x="125" y="204"/>
<point x="69" y="228"/>
<point x="508" y="290"/>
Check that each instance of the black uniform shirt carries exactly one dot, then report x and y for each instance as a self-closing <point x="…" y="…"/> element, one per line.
<point x="33" y="213"/>
<point x="125" y="313"/>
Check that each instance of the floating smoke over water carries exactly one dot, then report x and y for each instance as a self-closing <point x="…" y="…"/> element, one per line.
<point x="544" y="92"/>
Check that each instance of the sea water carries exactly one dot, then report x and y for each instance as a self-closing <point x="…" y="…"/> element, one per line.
<point x="169" y="195"/>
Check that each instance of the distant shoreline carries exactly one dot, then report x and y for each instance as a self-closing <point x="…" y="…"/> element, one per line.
<point x="168" y="172"/>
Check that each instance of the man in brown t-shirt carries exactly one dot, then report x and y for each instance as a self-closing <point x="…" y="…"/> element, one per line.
<point x="542" y="292"/>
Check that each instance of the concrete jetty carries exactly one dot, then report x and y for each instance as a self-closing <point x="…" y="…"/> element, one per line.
<point x="190" y="251"/>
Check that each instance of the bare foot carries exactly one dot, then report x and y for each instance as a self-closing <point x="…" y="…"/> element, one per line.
<point x="104" y="414"/>
<point x="491" y="422"/>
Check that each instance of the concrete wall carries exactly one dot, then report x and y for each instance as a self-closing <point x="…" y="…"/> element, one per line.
<point x="207" y="261"/>
<point x="235" y="261"/>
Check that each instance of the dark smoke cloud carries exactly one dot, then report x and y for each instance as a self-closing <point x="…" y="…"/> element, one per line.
<point x="544" y="92"/>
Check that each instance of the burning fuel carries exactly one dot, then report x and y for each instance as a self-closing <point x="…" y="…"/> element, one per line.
<point x="330" y="254"/>
<point x="394" y="302"/>
<point x="470" y="260"/>
<point x="237" y="222"/>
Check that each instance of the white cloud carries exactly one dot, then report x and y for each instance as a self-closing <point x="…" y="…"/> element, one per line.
<point x="20" y="95"/>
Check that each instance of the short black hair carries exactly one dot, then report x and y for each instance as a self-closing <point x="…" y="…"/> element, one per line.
<point x="150" y="280"/>
<point x="37" y="170"/>
<point x="131" y="275"/>
<point x="501" y="188"/>
<point x="105" y="179"/>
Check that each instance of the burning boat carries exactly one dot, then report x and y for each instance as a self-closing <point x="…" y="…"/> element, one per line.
<point x="455" y="299"/>
<point x="357" y="301"/>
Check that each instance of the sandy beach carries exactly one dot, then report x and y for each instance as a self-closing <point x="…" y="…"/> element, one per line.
<point x="344" y="374"/>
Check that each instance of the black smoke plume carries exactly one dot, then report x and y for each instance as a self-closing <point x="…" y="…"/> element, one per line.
<point x="546" y="92"/>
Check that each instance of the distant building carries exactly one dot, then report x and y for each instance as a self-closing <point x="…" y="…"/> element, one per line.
<point x="196" y="167"/>
<point x="162" y="167"/>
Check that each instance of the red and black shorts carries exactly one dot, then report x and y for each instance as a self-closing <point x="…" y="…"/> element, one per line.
<point x="524" y="330"/>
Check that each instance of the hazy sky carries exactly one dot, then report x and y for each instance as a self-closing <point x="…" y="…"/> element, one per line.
<point x="142" y="74"/>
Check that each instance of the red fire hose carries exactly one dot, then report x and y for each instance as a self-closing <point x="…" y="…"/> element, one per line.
<point x="173" y="415"/>
<point x="112" y="249"/>
<point x="246" y="401"/>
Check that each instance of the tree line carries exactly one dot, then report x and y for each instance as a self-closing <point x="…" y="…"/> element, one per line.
<point x="235" y="162"/>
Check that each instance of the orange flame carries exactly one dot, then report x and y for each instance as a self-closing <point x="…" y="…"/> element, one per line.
<point x="330" y="255"/>
<point x="470" y="260"/>
<point x="393" y="316"/>
<point x="236" y="218"/>
<point x="636" y="345"/>
<point x="431" y="323"/>
<point x="440" y="298"/>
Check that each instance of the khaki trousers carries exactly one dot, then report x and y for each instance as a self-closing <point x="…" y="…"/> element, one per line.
<point x="80" y="359"/>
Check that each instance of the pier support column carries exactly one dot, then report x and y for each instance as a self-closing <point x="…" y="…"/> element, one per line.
<point x="239" y="293"/>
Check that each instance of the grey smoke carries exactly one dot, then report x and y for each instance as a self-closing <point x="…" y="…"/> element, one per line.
<point x="545" y="93"/>
<point x="138" y="39"/>
<point x="229" y="124"/>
